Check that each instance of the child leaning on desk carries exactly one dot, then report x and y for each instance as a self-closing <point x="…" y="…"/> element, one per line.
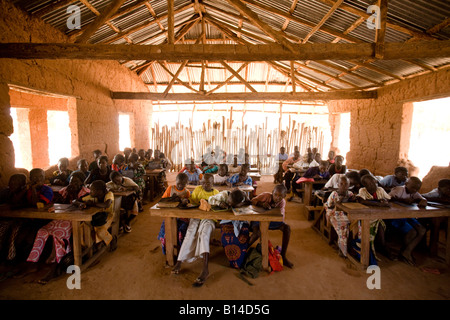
<point x="372" y="195"/>
<point x="271" y="200"/>
<point x="177" y="192"/>
<point x="198" y="234"/>
<point x="102" y="199"/>
<point x="234" y="234"/>
<point x="129" y="203"/>
<point x="410" y="228"/>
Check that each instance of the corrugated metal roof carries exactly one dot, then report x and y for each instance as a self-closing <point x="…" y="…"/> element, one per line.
<point x="418" y="16"/>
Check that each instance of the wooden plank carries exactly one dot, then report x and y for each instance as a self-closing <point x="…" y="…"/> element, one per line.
<point x="170" y="22"/>
<point x="220" y="52"/>
<point x="323" y="20"/>
<point x="100" y="20"/>
<point x="264" y="228"/>
<point x="247" y="96"/>
<point x="274" y="34"/>
<point x="237" y="75"/>
<point x="380" y="32"/>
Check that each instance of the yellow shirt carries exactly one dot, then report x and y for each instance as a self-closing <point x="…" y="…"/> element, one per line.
<point x="200" y="193"/>
<point x="108" y="196"/>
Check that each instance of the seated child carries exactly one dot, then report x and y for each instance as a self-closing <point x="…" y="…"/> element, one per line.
<point x="337" y="166"/>
<point x="235" y="234"/>
<point x="397" y="179"/>
<point x="177" y="192"/>
<point x="59" y="230"/>
<point x="37" y="190"/>
<point x="102" y="172"/>
<point x="372" y="195"/>
<point x="118" y="163"/>
<point x="269" y="200"/>
<point x="240" y="178"/>
<point x="61" y="176"/>
<point x="194" y="174"/>
<point x="282" y="156"/>
<point x="198" y="234"/>
<point x="102" y="199"/>
<point x="221" y="177"/>
<point x="97" y="153"/>
<point x="338" y="219"/>
<point x="318" y="173"/>
<point x="74" y="191"/>
<point x="137" y="176"/>
<point x="412" y="230"/>
<point x="15" y="193"/>
<point x="15" y="196"/>
<point x="441" y="194"/>
<point x="234" y="167"/>
<point x="82" y="167"/>
<point x="120" y="183"/>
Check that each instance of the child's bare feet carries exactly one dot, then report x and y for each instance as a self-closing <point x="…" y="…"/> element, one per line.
<point x="201" y="279"/>
<point x="176" y="268"/>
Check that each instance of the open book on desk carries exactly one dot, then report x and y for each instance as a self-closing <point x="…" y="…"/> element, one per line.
<point x="248" y="210"/>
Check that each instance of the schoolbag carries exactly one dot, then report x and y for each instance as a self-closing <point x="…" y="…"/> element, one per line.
<point x="275" y="259"/>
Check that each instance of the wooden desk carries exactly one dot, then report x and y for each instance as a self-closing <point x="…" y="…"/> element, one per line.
<point x="62" y="212"/>
<point x="307" y="196"/>
<point x="117" y="205"/>
<point x="170" y="215"/>
<point x="256" y="176"/>
<point x="150" y="177"/>
<point x="368" y="214"/>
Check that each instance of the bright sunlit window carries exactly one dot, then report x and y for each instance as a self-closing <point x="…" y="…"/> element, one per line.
<point x="21" y="141"/>
<point x="124" y="131"/>
<point x="430" y="134"/>
<point x="344" y="134"/>
<point x="59" y="136"/>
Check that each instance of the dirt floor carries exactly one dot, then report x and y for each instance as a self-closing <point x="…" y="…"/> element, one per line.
<point x="136" y="270"/>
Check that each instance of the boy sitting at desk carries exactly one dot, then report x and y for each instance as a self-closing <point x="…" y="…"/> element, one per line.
<point x="240" y="178"/>
<point x="120" y="183"/>
<point x="198" y="234"/>
<point x="411" y="229"/>
<point x="221" y="177"/>
<point x="234" y="234"/>
<point x="441" y="194"/>
<point x="397" y="179"/>
<point x="61" y="176"/>
<point x="177" y="192"/>
<point x="270" y="200"/>
<point x="194" y="174"/>
<point x="372" y="195"/>
<point x="103" y="199"/>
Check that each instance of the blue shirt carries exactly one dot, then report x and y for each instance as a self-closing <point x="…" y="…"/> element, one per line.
<point x="193" y="176"/>
<point x="390" y="182"/>
<point x="235" y="178"/>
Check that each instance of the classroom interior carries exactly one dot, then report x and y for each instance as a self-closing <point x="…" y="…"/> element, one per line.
<point x="211" y="78"/>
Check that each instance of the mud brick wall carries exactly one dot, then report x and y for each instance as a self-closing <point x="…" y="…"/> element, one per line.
<point x="93" y="114"/>
<point x="380" y="128"/>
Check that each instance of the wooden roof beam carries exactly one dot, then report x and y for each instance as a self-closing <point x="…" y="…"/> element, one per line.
<point x="100" y="20"/>
<point x="219" y="52"/>
<point x="247" y="96"/>
<point x="274" y="34"/>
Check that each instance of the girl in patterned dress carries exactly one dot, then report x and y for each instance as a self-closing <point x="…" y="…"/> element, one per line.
<point x="338" y="219"/>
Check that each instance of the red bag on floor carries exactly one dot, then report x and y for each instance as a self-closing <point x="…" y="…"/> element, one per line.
<point x="275" y="260"/>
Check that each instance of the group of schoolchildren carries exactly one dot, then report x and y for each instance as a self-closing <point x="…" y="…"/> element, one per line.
<point x="194" y="235"/>
<point x="362" y="186"/>
<point x="23" y="242"/>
